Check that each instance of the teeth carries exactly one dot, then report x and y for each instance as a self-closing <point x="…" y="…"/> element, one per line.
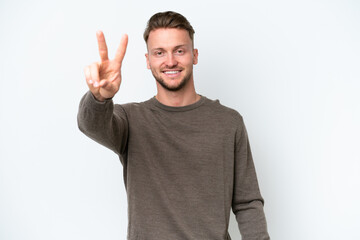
<point x="171" y="72"/>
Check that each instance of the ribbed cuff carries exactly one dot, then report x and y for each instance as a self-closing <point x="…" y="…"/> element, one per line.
<point x="91" y="102"/>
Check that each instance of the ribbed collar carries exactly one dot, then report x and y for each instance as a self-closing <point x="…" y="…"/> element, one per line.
<point x="154" y="102"/>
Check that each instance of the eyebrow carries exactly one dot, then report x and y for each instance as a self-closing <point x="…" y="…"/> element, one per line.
<point x="176" y="47"/>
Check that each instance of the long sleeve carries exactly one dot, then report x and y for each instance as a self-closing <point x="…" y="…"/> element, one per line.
<point x="100" y="122"/>
<point x="247" y="203"/>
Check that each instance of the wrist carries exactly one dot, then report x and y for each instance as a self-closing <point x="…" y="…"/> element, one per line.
<point x="98" y="98"/>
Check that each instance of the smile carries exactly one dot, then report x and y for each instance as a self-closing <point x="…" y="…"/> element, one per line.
<point x="172" y="72"/>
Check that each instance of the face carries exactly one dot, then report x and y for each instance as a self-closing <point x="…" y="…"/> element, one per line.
<point x="171" y="57"/>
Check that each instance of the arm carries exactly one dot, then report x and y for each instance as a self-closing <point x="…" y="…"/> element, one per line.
<point x="100" y="122"/>
<point x="247" y="203"/>
<point x="96" y="117"/>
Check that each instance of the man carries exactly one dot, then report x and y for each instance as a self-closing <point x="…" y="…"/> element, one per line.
<point x="186" y="158"/>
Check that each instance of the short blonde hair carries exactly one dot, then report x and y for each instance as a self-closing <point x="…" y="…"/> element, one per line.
<point x="168" y="19"/>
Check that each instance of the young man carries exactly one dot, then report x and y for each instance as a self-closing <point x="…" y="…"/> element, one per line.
<point x="186" y="158"/>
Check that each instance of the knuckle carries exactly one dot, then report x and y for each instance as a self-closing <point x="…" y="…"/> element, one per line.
<point x="94" y="65"/>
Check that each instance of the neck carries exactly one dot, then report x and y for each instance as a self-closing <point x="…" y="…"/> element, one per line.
<point x="183" y="97"/>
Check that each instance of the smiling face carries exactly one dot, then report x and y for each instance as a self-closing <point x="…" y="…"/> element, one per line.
<point x="171" y="57"/>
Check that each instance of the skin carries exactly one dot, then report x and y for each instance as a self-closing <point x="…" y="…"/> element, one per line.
<point x="104" y="78"/>
<point x="169" y="49"/>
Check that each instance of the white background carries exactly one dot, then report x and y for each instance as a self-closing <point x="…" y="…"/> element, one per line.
<point x="291" y="68"/>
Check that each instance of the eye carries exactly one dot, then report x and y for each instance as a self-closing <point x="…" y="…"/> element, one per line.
<point x="158" y="53"/>
<point x="179" y="51"/>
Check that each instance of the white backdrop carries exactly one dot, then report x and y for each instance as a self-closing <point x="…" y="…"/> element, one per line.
<point x="291" y="68"/>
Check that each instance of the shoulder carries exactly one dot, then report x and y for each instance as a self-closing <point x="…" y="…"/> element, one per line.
<point x="222" y="111"/>
<point x="133" y="107"/>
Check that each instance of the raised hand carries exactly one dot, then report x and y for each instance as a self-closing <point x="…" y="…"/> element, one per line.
<point x="104" y="78"/>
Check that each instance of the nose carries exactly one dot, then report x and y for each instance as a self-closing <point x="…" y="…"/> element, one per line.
<point x="171" y="61"/>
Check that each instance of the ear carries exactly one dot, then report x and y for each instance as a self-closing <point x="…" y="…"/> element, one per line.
<point x="195" y="58"/>
<point x="147" y="61"/>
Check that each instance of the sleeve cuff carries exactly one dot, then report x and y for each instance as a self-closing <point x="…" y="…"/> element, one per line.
<point x="93" y="103"/>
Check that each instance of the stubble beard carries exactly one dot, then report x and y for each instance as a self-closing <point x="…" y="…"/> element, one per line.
<point x="181" y="85"/>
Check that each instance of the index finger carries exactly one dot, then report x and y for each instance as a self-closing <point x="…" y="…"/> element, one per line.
<point x="120" y="52"/>
<point x="103" y="51"/>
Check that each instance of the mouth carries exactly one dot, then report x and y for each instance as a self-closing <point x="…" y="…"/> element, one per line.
<point x="172" y="73"/>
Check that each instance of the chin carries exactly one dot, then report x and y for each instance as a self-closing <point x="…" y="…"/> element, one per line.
<point x="172" y="87"/>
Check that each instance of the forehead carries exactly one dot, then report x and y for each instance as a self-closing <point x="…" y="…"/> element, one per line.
<point x="168" y="38"/>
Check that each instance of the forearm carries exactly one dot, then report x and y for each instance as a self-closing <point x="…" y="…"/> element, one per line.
<point x="247" y="202"/>
<point x="98" y="121"/>
<point x="251" y="219"/>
